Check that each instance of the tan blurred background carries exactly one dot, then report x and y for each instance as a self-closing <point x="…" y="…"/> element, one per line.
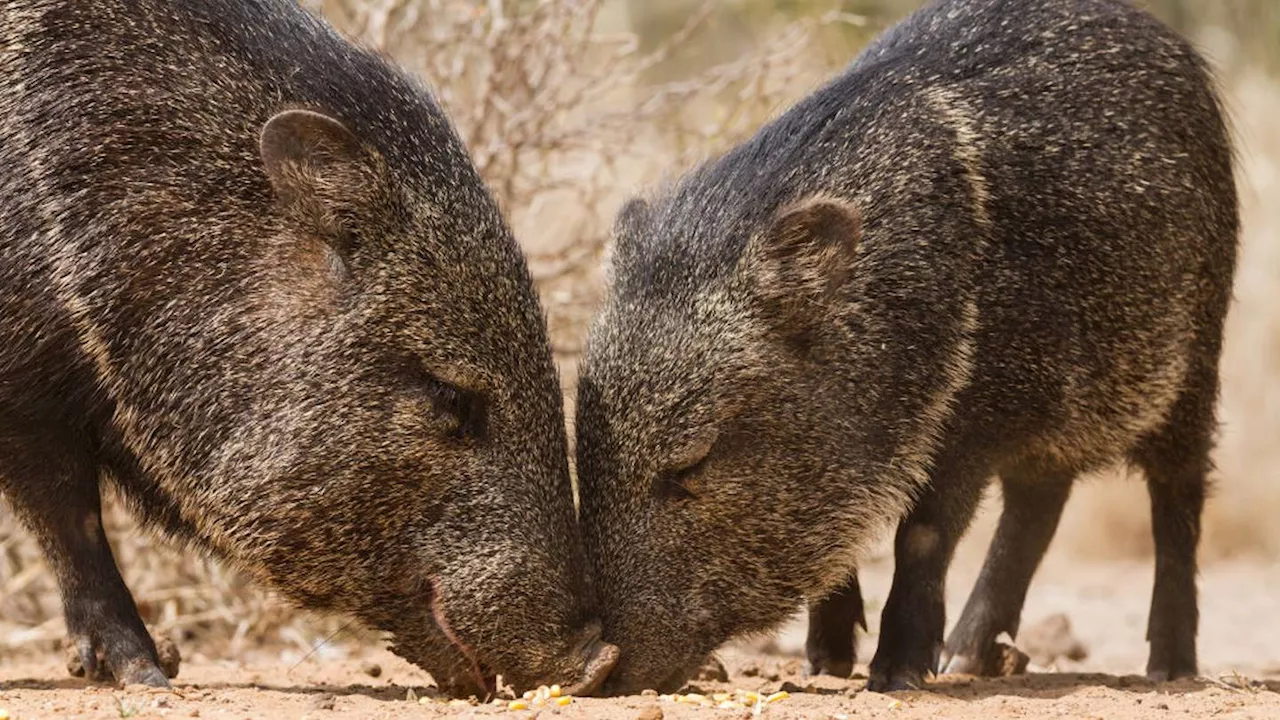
<point x="570" y="106"/>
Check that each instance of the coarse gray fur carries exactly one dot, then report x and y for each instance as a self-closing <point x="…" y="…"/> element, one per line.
<point x="251" y="279"/>
<point x="1001" y="243"/>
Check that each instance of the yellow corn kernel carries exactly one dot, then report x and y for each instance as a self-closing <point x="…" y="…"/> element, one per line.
<point x="691" y="698"/>
<point x="530" y="694"/>
<point x="555" y="691"/>
<point x="750" y="697"/>
<point x="780" y="695"/>
<point x="518" y="705"/>
<point x="895" y="704"/>
<point x="564" y="700"/>
<point x="730" y="705"/>
<point x="721" y="697"/>
<point x="667" y="698"/>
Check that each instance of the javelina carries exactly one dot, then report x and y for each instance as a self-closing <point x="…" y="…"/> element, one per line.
<point x="251" y="278"/>
<point x="1001" y="243"/>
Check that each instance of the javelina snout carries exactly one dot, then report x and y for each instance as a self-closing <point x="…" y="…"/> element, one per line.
<point x="252" y="279"/>
<point x="1000" y="244"/>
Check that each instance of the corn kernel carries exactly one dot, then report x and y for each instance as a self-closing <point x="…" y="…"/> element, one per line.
<point x="691" y="698"/>
<point x="564" y="700"/>
<point x="530" y="694"/>
<point x="518" y="705"/>
<point x="721" y="697"/>
<point x="556" y="691"/>
<point x="4" y="714"/>
<point x="750" y="697"/>
<point x="667" y="698"/>
<point x="780" y="695"/>
<point x="729" y="705"/>
<point x="895" y="704"/>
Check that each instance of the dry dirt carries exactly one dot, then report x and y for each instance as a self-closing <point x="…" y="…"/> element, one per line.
<point x="1106" y="605"/>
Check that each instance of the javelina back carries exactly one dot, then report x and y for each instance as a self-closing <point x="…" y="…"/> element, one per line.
<point x="1001" y="243"/>
<point x="251" y="278"/>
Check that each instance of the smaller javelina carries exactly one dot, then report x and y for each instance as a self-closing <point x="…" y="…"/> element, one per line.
<point x="1002" y="243"/>
<point x="251" y="278"/>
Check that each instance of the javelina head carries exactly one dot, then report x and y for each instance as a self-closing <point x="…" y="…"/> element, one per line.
<point x="714" y="428"/>
<point x="411" y="426"/>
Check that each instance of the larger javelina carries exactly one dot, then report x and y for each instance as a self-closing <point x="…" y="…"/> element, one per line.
<point x="251" y="278"/>
<point x="1001" y="243"/>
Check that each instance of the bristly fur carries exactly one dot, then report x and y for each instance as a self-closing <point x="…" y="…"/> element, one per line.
<point x="1034" y="267"/>
<point x="256" y="330"/>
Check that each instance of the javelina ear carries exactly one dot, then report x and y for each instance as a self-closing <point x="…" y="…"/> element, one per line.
<point x="806" y="255"/>
<point x="318" y="168"/>
<point x="628" y="227"/>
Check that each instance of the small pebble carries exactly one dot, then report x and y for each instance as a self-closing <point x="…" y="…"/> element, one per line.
<point x="652" y="712"/>
<point x="372" y="669"/>
<point x="323" y="701"/>
<point x="648" y="692"/>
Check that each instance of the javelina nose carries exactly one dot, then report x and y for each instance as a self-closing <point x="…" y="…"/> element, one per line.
<point x="599" y="657"/>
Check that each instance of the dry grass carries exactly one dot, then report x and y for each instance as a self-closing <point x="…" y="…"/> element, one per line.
<point x="566" y="116"/>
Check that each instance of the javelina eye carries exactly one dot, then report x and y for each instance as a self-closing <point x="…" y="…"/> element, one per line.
<point x="462" y="410"/>
<point x="675" y="484"/>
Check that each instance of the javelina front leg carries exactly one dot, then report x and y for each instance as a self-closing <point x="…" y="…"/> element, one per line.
<point x="1032" y="507"/>
<point x="58" y="500"/>
<point x="831" y="645"/>
<point x="1176" y="462"/>
<point x="914" y="615"/>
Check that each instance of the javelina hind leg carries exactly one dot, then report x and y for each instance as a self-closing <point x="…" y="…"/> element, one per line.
<point x="1176" y="462"/>
<point x="914" y="615"/>
<point x="57" y="497"/>
<point x="1033" y="505"/>
<point x="830" y="647"/>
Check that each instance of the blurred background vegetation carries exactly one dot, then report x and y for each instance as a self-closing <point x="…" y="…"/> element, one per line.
<point x="570" y="106"/>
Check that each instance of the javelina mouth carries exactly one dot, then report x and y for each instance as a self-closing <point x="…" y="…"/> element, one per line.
<point x="486" y="682"/>
<point x="599" y="658"/>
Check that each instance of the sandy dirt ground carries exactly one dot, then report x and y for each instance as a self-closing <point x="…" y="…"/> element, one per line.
<point x="1105" y="604"/>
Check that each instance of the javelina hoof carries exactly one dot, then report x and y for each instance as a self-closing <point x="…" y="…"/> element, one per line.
<point x="896" y="681"/>
<point x="139" y="672"/>
<point x="88" y="660"/>
<point x="818" y="665"/>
